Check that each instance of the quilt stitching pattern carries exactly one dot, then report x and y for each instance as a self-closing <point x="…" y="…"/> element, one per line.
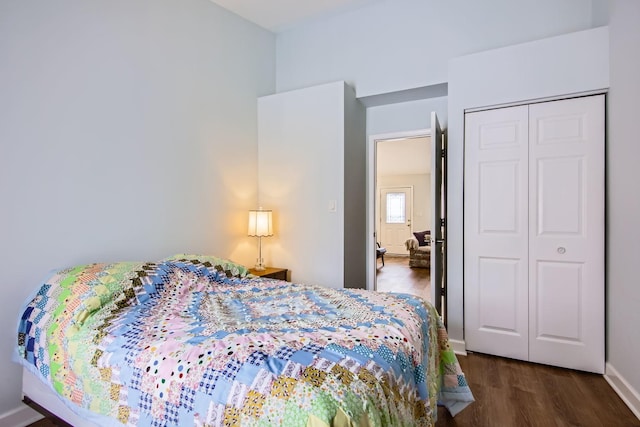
<point x="193" y="341"/>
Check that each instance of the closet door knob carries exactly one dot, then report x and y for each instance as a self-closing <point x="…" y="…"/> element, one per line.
<point x="561" y="250"/>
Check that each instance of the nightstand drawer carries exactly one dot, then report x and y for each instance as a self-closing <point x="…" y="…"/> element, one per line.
<point x="271" y="273"/>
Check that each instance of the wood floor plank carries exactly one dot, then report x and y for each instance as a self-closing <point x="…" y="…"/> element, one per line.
<point x="593" y="388"/>
<point x="516" y="393"/>
<point x="397" y="276"/>
<point x="566" y="398"/>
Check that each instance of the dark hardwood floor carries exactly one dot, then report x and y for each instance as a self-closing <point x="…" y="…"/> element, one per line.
<point x="47" y="422"/>
<point x="397" y="276"/>
<point x="510" y="392"/>
<point x="514" y="393"/>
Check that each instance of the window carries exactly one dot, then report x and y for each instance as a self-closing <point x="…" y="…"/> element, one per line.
<point x="395" y="208"/>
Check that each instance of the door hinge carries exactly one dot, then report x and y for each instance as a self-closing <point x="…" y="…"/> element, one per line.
<point x="443" y="153"/>
<point x="443" y="291"/>
<point x="443" y="222"/>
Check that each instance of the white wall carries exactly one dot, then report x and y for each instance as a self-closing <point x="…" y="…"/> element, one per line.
<point x="128" y="130"/>
<point x="404" y="116"/>
<point x="401" y="44"/>
<point x="301" y="168"/>
<point x="386" y="48"/>
<point x="623" y="231"/>
<point x="354" y="223"/>
<point x="568" y="64"/>
<point x="600" y="12"/>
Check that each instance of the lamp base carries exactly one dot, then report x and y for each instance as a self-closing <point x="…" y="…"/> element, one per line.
<point x="259" y="263"/>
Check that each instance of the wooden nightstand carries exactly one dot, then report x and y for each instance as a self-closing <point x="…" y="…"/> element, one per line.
<point x="271" y="273"/>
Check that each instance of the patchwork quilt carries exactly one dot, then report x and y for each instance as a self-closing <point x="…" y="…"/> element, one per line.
<point x="195" y="340"/>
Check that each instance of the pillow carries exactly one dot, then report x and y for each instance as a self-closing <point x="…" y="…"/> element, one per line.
<point x="230" y="268"/>
<point x="423" y="237"/>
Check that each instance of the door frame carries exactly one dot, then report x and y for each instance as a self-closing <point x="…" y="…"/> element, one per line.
<point x="371" y="194"/>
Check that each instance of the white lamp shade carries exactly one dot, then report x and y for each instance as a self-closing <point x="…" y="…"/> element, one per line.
<point x="260" y="223"/>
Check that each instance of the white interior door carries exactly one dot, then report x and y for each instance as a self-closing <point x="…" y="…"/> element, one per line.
<point x="437" y="240"/>
<point x="396" y="205"/>
<point x="495" y="232"/>
<point x="566" y="237"/>
<point x="534" y="232"/>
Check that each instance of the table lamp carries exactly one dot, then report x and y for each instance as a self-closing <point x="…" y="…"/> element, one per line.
<point x="260" y="225"/>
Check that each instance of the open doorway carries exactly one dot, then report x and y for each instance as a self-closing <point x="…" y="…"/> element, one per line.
<point x="436" y="238"/>
<point x="402" y="207"/>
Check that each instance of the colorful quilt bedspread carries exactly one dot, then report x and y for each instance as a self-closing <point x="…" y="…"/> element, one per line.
<point x="194" y="340"/>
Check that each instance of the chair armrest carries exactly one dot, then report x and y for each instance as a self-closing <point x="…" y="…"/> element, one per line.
<point x="411" y="243"/>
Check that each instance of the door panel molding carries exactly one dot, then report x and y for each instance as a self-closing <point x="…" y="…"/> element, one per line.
<point x="558" y="203"/>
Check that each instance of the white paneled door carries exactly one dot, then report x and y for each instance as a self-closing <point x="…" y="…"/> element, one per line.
<point x="566" y="233"/>
<point x="534" y="232"/>
<point x="496" y="218"/>
<point x="396" y="206"/>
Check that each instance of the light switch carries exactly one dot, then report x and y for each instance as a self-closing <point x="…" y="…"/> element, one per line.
<point x="333" y="205"/>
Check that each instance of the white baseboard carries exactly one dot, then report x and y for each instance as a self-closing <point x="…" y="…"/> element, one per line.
<point x="459" y="347"/>
<point x="21" y="416"/>
<point x="627" y="393"/>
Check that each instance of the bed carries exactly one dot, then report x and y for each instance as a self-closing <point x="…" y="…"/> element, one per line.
<point x="196" y="340"/>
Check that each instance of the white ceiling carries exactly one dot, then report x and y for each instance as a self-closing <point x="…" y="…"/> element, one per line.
<point x="278" y="15"/>
<point x="404" y="156"/>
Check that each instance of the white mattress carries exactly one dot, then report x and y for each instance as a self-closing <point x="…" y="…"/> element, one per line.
<point x="40" y="393"/>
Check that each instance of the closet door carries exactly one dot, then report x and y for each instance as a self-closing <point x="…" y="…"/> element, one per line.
<point x="566" y="233"/>
<point x="496" y="228"/>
